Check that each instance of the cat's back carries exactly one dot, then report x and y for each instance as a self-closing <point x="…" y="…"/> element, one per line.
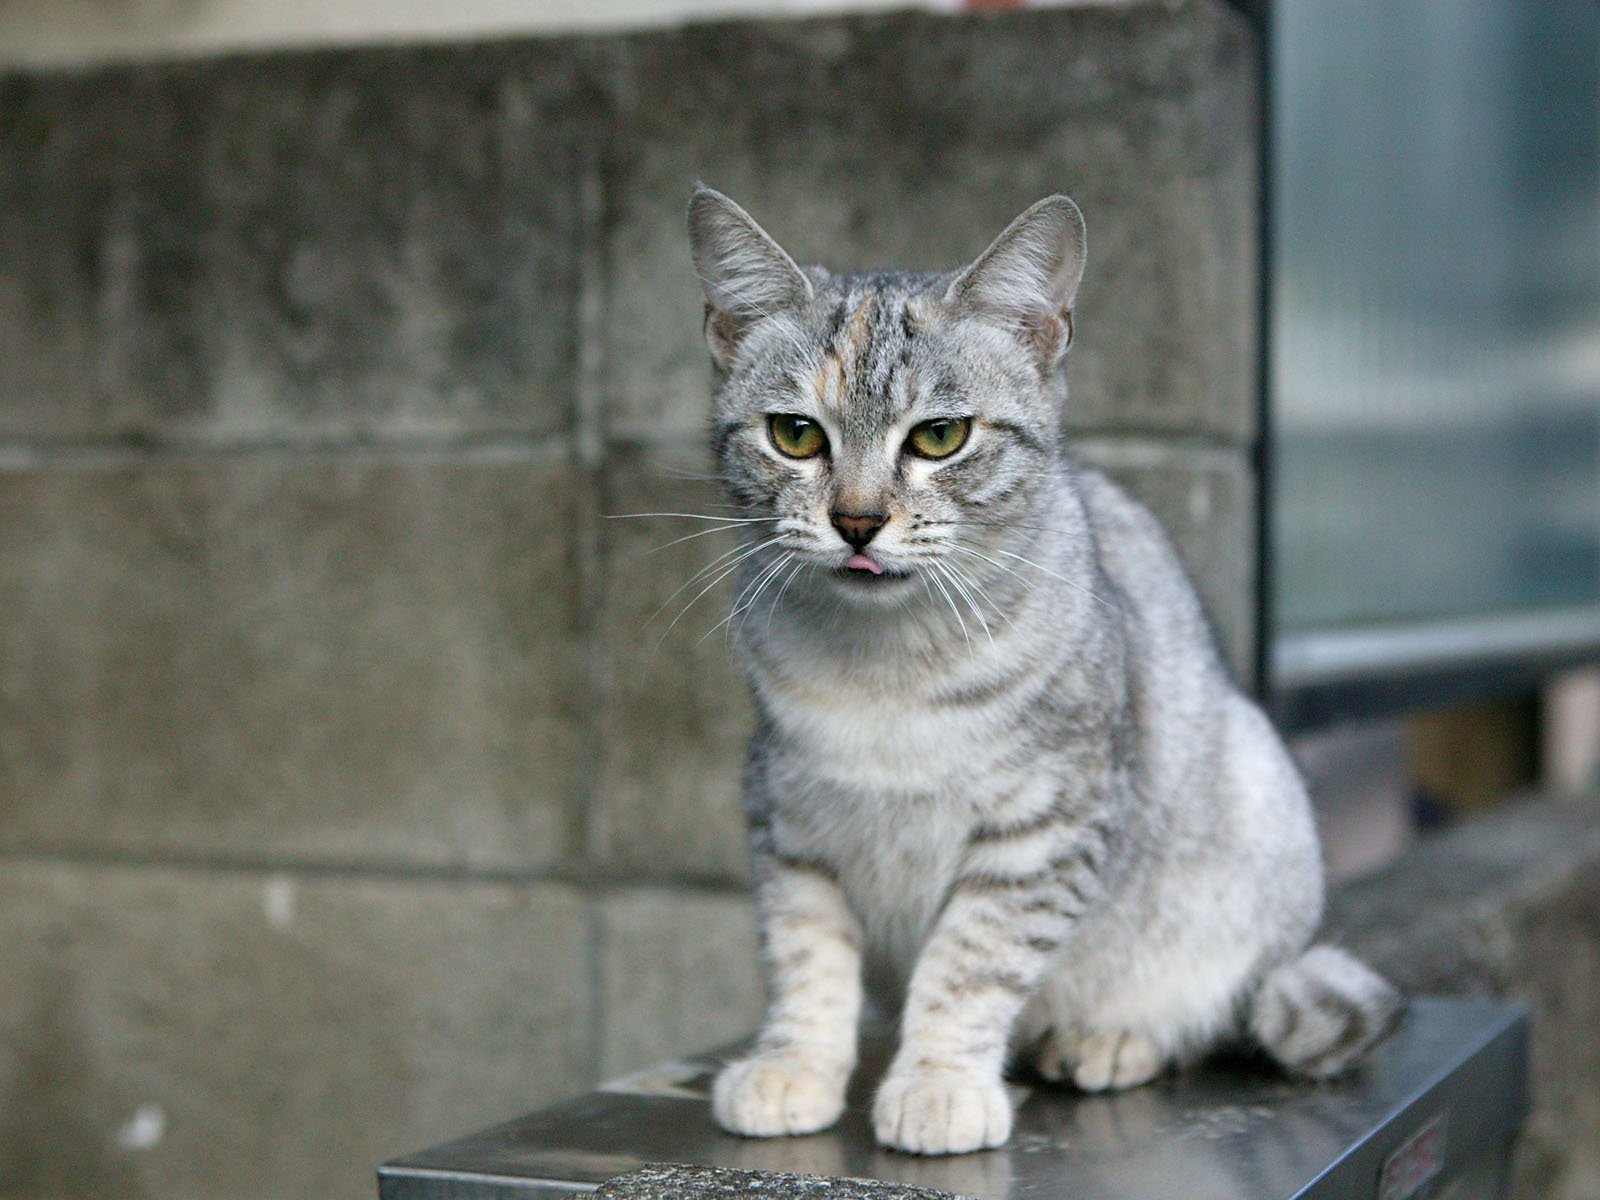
<point x="1182" y="705"/>
<point x="1153" y="593"/>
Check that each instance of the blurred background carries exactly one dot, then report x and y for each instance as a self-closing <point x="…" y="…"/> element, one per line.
<point x="357" y="788"/>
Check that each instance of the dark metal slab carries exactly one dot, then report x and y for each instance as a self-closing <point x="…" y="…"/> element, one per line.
<point x="1437" y="1103"/>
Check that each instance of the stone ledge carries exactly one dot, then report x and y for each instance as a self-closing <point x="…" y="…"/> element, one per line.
<point x="1509" y="905"/>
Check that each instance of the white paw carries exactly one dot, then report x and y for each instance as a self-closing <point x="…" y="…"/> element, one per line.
<point x="1114" y="1059"/>
<point x="1055" y="1054"/>
<point x="777" y="1094"/>
<point x="941" y="1111"/>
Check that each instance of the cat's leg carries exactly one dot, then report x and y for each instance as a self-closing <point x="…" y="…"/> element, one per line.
<point x="793" y="1081"/>
<point x="1002" y="927"/>
<point x="1165" y="975"/>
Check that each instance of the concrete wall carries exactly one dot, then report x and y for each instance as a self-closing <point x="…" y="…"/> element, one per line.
<point x="349" y="796"/>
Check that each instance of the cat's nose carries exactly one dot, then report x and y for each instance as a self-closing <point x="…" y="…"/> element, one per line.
<point x="858" y="528"/>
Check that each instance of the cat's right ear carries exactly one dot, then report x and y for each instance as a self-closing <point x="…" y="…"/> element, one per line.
<point x="746" y="275"/>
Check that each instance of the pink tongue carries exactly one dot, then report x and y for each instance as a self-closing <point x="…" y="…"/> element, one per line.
<point x="862" y="562"/>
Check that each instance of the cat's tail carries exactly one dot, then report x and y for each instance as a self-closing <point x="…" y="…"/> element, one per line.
<point x="1317" y="1014"/>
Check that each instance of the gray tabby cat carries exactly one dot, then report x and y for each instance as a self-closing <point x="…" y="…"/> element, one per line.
<point x="999" y="770"/>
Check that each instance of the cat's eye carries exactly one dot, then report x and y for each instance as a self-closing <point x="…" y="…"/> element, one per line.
<point x="798" y="437"/>
<point x="939" y="438"/>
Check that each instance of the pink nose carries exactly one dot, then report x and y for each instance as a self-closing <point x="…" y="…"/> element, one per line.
<point x="858" y="528"/>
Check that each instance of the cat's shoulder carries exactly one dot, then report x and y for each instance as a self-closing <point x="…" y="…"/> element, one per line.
<point x="1134" y="549"/>
<point x="1112" y="512"/>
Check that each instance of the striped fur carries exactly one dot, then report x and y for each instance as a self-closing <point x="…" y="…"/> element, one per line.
<point x="1006" y="782"/>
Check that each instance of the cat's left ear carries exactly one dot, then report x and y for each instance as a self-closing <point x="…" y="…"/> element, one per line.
<point x="746" y="275"/>
<point x="1028" y="277"/>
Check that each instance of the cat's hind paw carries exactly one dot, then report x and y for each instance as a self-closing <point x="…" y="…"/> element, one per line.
<point x="934" y="1111"/>
<point x="771" y="1095"/>
<point x="1103" y="1061"/>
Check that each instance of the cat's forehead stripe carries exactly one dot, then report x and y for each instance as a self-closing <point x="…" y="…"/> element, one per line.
<point x="830" y="380"/>
<point x="849" y="340"/>
<point x="867" y="344"/>
<point x="857" y="335"/>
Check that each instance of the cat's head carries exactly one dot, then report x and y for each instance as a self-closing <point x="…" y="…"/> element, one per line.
<point x="886" y="422"/>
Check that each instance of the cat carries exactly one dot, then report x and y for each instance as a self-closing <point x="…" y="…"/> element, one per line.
<point x="999" y="774"/>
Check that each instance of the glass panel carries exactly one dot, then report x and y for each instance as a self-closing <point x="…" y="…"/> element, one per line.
<point x="1436" y="340"/>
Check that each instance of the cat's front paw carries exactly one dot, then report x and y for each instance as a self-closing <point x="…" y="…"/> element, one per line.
<point x="941" y="1111"/>
<point x="773" y="1095"/>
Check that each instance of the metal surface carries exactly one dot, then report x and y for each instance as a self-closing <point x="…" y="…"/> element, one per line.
<point x="1229" y="1130"/>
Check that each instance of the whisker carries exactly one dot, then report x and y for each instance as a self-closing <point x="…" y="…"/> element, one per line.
<point x="771" y="580"/>
<point x="1006" y="525"/>
<point x="699" y="533"/>
<point x="1029" y="584"/>
<point x="706" y="569"/>
<point x="753" y="590"/>
<point x="1069" y="582"/>
<point x="959" y="619"/>
<point x="966" y="594"/>
<point x="1072" y="583"/>
<point x="778" y="599"/>
<point x="669" y="472"/>
<point x="722" y="572"/>
<point x="1012" y="571"/>
<point x="947" y="570"/>
<point x="982" y="592"/>
<point x="690" y="516"/>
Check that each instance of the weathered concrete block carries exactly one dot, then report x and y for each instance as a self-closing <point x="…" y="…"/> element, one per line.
<point x="679" y="973"/>
<point x="911" y="141"/>
<point x="377" y="241"/>
<point x="674" y="715"/>
<point x="216" y="1035"/>
<point x="260" y="658"/>
<point x="1205" y="499"/>
<point x="1509" y="904"/>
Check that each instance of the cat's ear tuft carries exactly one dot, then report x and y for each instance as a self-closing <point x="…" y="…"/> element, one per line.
<point x="746" y="275"/>
<point x="1028" y="277"/>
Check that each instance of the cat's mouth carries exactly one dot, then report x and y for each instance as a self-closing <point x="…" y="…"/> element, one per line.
<point x="864" y="570"/>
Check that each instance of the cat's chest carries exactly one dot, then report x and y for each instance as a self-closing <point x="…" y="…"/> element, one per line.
<point x="885" y="786"/>
<point x="899" y="739"/>
<point x="895" y="855"/>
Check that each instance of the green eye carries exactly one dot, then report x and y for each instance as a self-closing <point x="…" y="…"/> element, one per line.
<point x="939" y="438"/>
<point x="798" y="437"/>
